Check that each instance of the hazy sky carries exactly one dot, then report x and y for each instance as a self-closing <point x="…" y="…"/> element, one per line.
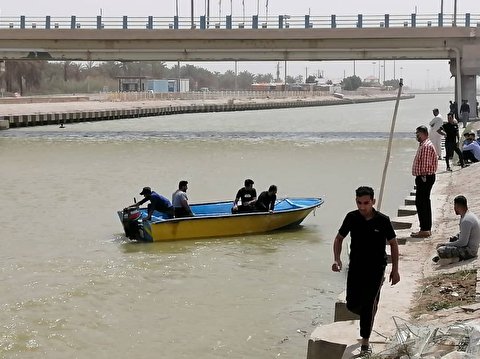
<point x="416" y="73"/>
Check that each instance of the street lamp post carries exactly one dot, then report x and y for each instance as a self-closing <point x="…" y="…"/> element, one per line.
<point x="455" y="13"/>
<point x="192" y="15"/>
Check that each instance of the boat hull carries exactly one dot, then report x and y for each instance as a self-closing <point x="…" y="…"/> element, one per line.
<point x="204" y="225"/>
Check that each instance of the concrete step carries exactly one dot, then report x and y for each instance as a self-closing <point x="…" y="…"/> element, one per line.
<point x="410" y="201"/>
<point x="397" y="224"/>
<point x="404" y="211"/>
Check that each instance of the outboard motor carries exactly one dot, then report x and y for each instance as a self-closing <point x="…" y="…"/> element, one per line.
<point x="131" y="220"/>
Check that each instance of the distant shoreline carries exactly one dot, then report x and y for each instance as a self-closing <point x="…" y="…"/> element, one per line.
<point x="39" y="111"/>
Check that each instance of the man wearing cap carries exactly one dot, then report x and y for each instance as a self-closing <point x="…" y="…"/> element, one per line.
<point x="157" y="203"/>
<point x="247" y="196"/>
<point x="471" y="148"/>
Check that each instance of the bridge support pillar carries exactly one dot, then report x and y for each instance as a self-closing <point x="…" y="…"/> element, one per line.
<point x="470" y="69"/>
<point x="469" y="93"/>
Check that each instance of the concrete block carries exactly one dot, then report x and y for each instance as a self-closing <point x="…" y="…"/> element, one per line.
<point x="342" y="313"/>
<point x="404" y="211"/>
<point x="330" y="341"/>
<point x="321" y="349"/>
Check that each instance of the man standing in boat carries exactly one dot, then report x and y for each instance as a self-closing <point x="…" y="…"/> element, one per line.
<point x="247" y="195"/>
<point x="370" y="231"/>
<point x="180" y="201"/>
<point x="157" y="203"/>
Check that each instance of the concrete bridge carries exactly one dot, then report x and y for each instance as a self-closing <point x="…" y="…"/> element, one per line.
<point x="377" y="38"/>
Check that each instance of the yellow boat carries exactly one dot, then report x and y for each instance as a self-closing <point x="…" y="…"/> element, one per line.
<point x="215" y="220"/>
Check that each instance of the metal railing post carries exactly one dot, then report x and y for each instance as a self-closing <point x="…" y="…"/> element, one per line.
<point x="414" y="20"/>
<point x="360" y="21"/>
<point x="255" y="22"/>
<point x="22" y="22"/>
<point x="387" y="20"/>
<point x="333" y="21"/>
<point x="467" y="19"/>
<point x="203" y="22"/>
<point x="47" y="22"/>
<point x="125" y="22"/>
<point x="150" y="22"/>
<point x="280" y="21"/>
<point x="99" y="22"/>
<point x="175" y="22"/>
<point x="73" y="21"/>
<point x="440" y="19"/>
<point x="229" y="22"/>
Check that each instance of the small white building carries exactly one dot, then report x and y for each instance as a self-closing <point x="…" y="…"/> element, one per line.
<point x="168" y="85"/>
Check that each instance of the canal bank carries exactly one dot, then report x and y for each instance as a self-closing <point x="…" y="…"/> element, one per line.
<point x="340" y="339"/>
<point x="34" y="113"/>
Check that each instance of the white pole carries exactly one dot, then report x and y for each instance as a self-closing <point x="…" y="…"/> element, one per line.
<point x="389" y="149"/>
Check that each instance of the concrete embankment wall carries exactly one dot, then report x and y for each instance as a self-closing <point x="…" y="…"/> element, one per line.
<point x="50" y="118"/>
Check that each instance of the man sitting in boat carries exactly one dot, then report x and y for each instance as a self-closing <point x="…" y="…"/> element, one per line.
<point x="247" y="196"/>
<point x="180" y="201"/>
<point x="266" y="200"/>
<point x="157" y="203"/>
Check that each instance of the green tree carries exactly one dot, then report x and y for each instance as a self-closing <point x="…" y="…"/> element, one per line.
<point x="245" y="80"/>
<point x="351" y="83"/>
<point x="263" y="78"/>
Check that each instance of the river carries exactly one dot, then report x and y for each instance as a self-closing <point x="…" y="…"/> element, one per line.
<point x="73" y="287"/>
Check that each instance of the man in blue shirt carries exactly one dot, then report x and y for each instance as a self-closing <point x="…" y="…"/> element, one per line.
<point x="471" y="148"/>
<point x="157" y="203"/>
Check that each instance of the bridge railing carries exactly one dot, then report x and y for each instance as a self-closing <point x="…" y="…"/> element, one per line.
<point x="239" y="22"/>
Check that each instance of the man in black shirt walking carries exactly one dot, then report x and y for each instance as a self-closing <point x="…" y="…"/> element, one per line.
<point x="370" y="231"/>
<point x="450" y="131"/>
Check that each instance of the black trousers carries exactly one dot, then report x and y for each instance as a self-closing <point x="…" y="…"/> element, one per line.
<point x="181" y="212"/>
<point x="451" y="147"/>
<point x="168" y="211"/>
<point x="363" y="294"/>
<point x="422" y="201"/>
<point x="468" y="155"/>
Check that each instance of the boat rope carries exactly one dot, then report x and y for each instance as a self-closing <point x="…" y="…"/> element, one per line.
<point x="389" y="148"/>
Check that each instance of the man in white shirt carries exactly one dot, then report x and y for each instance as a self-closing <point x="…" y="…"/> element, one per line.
<point x="435" y="137"/>
<point x="180" y="204"/>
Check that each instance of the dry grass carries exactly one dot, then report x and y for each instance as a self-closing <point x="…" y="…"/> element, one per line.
<point x="445" y="291"/>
